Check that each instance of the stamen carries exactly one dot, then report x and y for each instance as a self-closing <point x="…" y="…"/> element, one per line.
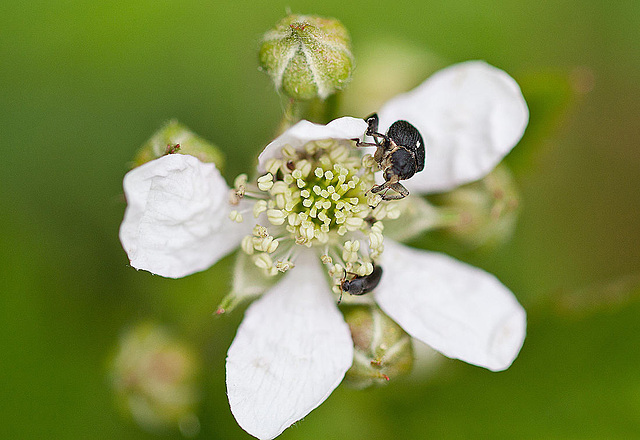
<point x="275" y="216"/>
<point x="263" y="261"/>
<point x="260" y="231"/>
<point x="273" y="165"/>
<point x="265" y="182"/>
<point x="235" y="216"/>
<point x="278" y="187"/>
<point x="259" y="207"/>
<point x="315" y="197"/>
<point x="247" y="245"/>
<point x="284" y="266"/>
<point x="240" y="181"/>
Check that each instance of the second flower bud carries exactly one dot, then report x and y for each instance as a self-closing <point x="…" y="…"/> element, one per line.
<point x="307" y="56"/>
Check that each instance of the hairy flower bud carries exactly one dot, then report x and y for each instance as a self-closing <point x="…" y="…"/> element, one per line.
<point x="174" y="137"/>
<point x="382" y="350"/>
<point x="307" y="56"/>
<point x="154" y="378"/>
<point x="487" y="210"/>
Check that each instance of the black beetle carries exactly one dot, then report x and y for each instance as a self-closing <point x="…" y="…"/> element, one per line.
<point x="400" y="154"/>
<point x="359" y="285"/>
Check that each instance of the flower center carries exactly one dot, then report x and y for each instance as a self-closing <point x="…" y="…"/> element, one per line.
<point x="316" y="197"/>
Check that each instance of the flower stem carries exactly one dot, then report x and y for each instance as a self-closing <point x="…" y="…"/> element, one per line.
<point x="292" y="114"/>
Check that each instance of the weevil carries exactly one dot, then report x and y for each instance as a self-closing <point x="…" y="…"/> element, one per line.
<point x="400" y="153"/>
<point x="359" y="285"/>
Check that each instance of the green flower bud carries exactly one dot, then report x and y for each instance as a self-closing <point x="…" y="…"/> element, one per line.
<point x="382" y="350"/>
<point x="174" y="137"/>
<point x="486" y="210"/>
<point x="154" y="378"/>
<point x="307" y="56"/>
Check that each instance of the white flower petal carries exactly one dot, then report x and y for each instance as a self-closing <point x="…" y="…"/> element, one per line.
<point x="176" y="222"/>
<point x="291" y="351"/>
<point x="459" y="310"/>
<point x="304" y="131"/>
<point x="470" y="116"/>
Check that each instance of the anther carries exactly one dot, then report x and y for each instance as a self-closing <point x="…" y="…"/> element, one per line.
<point x="235" y="216"/>
<point x="259" y="207"/>
<point x="265" y="182"/>
<point x="275" y="216"/>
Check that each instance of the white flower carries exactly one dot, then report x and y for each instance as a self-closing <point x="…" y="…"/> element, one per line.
<point x="293" y="346"/>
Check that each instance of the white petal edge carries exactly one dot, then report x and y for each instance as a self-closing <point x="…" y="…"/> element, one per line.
<point x="461" y="311"/>
<point x="177" y="217"/>
<point x="470" y="115"/>
<point x="291" y="351"/>
<point x="304" y="131"/>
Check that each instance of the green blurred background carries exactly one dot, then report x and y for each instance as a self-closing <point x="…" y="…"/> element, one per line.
<point x="83" y="84"/>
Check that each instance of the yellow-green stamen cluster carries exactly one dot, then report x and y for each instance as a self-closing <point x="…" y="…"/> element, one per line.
<point x="316" y="197"/>
<point x="317" y="193"/>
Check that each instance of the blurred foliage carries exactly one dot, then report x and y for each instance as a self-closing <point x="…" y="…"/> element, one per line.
<point x="609" y="296"/>
<point x="154" y="377"/>
<point x="84" y="84"/>
<point x="549" y="97"/>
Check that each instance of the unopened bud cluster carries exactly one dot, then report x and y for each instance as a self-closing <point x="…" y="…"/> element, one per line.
<point x="307" y="56"/>
<point x="486" y="210"/>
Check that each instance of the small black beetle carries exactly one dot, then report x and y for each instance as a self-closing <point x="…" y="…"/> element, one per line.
<point x="399" y="154"/>
<point x="360" y="285"/>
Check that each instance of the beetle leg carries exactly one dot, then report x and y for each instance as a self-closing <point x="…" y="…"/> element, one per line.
<point x="359" y="143"/>
<point x="377" y="188"/>
<point x="375" y="136"/>
<point x="401" y="191"/>
<point x="394" y="185"/>
<point x="372" y="123"/>
<point x="383" y="186"/>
